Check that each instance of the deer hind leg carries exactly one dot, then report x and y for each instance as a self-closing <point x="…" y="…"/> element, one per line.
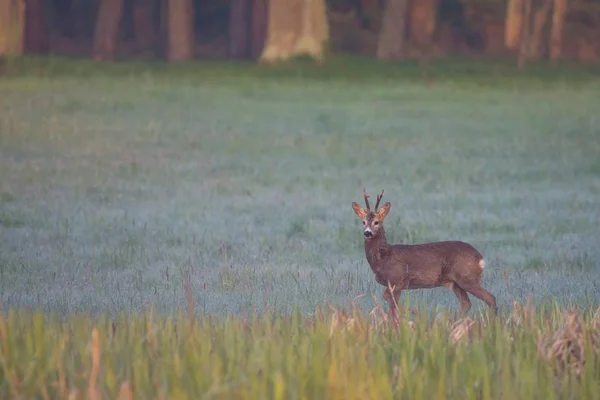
<point x="478" y="291"/>
<point x="463" y="297"/>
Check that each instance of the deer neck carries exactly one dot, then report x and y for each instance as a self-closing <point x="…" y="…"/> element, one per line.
<point x="376" y="248"/>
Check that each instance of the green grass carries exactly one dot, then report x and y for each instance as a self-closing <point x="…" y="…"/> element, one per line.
<point x="117" y="181"/>
<point x="342" y="68"/>
<point x="226" y="189"/>
<point x="550" y="355"/>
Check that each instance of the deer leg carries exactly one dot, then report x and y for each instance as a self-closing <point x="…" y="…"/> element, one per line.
<point x="481" y="293"/>
<point x="392" y="301"/>
<point x="463" y="297"/>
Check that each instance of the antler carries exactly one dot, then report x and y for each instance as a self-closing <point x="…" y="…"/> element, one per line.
<point x="366" y="200"/>
<point x="378" y="200"/>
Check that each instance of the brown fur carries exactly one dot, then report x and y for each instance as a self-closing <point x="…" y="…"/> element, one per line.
<point x="453" y="264"/>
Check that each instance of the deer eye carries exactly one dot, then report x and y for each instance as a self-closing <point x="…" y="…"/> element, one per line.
<point x="376" y="223"/>
<point x="364" y="223"/>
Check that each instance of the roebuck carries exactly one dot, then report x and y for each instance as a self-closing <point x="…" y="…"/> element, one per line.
<point x="453" y="264"/>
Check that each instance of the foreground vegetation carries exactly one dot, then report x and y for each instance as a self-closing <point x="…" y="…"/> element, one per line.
<point x="544" y="354"/>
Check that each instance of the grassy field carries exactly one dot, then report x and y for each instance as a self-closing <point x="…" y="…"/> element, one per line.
<point x="328" y="356"/>
<point x="229" y="187"/>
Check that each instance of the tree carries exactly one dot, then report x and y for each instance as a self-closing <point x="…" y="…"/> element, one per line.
<point x="258" y="36"/>
<point x="180" y="30"/>
<point x="106" y="34"/>
<point x="513" y="24"/>
<point x="393" y="30"/>
<point x="535" y="16"/>
<point x="540" y="19"/>
<point x="294" y="28"/>
<point x="143" y="24"/>
<point x="36" y="27"/>
<point x="525" y="33"/>
<point x="65" y="18"/>
<point x="239" y="29"/>
<point x="163" y="34"/>
<point x="423" y="20"/>
<point x="556" y="32"/>
<point x="370" y="13"/>
<point x="12" y="27"/>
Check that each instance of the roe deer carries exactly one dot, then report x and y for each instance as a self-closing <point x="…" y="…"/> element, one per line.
<point x="453" y="264"/>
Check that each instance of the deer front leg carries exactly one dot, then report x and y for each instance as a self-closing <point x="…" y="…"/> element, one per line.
<point x="392" y="300"/>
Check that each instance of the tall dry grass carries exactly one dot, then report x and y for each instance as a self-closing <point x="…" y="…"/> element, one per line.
<point x="339" y="354"/>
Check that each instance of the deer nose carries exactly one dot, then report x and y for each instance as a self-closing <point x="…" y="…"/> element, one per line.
<point x="368" y="234"/>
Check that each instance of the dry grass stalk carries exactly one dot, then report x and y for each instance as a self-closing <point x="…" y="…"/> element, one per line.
<point x="595" y="322"/>
<point x="339" y="322"/>
<point x="95" y="350"/>
<point x="15" y="386"/>
<point x="380" y="320"/>
<point x="43" y="389"/>
<point x="461" y="329"/>
<point x="11" y="375"/>
<point x="3" y="332"/>
<point x="62" y="379"/>
<point x="73" y="394"/>
<point x="522" y="314"/>
<point x="189" y="298"/>
<point x="125" y="393"/>
<point x="344" y="322"/>
<point x="594" y="332"/>
<point x="150" y="331"/>
<point x="565" y="347"/>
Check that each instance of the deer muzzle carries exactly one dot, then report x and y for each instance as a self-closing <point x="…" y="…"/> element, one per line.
<point x="368" y="234"/>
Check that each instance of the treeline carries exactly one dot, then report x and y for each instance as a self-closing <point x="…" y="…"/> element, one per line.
<point x="274" y="30"/>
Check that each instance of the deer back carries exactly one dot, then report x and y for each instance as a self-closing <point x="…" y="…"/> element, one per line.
<point x="423" y="265"/>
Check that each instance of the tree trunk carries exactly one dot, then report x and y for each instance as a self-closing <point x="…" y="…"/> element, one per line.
<point x="36" y="27"/>
<point x="556" y="33"/>
<point x="259" y="15"/>
<point x="534" y="22"/>
<point x="163" y="34"/>
<point x="513" y="25"/>
<point x="143" y="24"/>
<point x="64" y="17"/>
<point x="180" y="30"/>
<point x="283" y="27"/>
<point x="370" y="14"/>
<point x="295" y="27"/>
<point x="314" y="30"/>
<point x="525" y="34"/>
<point x="239" y="29"/>
<point x="537" y="35"/>
<point x="12" y="27"/>
<point x="393" y="31"/>
<point x="106" y="33"/>
<point x="423" y="18"/>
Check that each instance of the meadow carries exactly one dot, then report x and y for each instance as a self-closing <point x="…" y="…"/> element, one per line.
<point x="199" y="217"/>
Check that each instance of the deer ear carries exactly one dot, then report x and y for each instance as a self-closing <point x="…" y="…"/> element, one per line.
<point x="383" y="211"/>
<point x="359" y="211"/>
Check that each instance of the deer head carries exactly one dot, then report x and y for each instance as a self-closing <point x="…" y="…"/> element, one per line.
<point x="372" y="220"/>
